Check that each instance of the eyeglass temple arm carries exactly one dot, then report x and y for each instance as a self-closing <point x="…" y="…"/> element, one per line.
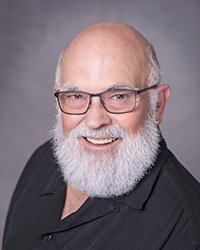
<point x="139" y="91"/>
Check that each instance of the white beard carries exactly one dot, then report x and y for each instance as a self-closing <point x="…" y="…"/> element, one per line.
<point x="106" y="174"/>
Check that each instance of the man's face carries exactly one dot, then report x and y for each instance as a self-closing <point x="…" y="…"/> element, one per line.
<point x="100" y="153"/>
<point x="96" y="70"/>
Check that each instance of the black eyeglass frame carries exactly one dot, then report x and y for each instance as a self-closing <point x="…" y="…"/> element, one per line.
<point x="136" y="91"/>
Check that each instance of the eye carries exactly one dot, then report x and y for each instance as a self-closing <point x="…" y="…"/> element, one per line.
<point x="73" y="96"/>
<point x="119" y="96"/>
<point x="76" y="96"/>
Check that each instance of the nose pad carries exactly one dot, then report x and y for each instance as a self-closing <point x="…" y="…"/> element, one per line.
<point x="96" y="115"/>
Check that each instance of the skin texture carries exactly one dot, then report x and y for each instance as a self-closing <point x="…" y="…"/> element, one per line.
<point x="98" y="58"/>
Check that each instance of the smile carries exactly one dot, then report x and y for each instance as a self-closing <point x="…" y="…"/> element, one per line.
<point x="100" y="141"/>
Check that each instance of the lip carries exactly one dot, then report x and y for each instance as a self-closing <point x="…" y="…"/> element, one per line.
<point x="100" y="143"/>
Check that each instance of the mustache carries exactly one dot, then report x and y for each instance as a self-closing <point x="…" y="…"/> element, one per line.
<point x="109" y="131"/>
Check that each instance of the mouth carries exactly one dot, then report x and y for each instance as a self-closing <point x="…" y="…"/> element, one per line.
<point x="99" y="143"/>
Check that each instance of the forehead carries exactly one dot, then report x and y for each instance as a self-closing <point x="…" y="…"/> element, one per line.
<point x="100" y="62"/>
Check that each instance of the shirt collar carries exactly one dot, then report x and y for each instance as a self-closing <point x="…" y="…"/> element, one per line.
<point x="139" y="196"/>
<point x="53" y="179"/>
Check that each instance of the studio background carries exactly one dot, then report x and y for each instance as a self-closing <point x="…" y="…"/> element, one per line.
<point x="32" y="34"/>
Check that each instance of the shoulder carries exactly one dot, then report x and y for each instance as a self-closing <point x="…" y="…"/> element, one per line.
<point x="180" y="180"/>
<point x="40" y="164"/>
<point x="179" y="191"/>
<point x="175" y="176"/>
<point x="44" y="150"/>
<point x="39" y="173"/>
<point x="41" y="159"/>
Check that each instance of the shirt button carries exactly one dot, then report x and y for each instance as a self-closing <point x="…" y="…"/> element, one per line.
<point x="48" y="237"/>
<point x="115" y="209"/>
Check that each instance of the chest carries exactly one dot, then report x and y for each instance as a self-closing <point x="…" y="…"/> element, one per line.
<point x="97" y="225"/>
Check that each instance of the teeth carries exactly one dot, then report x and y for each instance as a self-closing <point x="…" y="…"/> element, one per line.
<point x="100" y="141"/>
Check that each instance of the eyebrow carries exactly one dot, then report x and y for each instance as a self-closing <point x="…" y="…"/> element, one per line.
<point x="69" y="88"/>
<point x="117" y="86"/>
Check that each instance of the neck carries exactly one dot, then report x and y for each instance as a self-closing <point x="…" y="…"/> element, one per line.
<point x="74" y="199"/>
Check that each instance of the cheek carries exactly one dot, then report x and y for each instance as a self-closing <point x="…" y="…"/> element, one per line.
<point x="69" y="122"/>
<point x="131" y="122"/>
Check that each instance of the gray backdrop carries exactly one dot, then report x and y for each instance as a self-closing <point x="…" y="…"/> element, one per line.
<point x="32" y="33"/>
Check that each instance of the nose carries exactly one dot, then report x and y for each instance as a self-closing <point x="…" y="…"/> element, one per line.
<point x="96" y="116"/>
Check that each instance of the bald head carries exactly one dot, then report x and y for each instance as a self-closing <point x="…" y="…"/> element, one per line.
<point x="108" y="35"/>
<point x="109" y="47"/>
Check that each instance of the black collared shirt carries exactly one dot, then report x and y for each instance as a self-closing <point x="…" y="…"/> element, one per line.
<point x="162" y="212"/>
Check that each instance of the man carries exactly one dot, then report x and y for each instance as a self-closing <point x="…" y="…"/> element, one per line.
<point x="106" y="180"/>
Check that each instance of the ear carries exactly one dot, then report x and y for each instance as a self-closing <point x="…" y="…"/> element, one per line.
<point x="163" y="96"/>
<point x="55" y="88"/>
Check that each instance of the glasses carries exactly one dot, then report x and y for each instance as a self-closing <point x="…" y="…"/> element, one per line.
<point x="116" y="101"/>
